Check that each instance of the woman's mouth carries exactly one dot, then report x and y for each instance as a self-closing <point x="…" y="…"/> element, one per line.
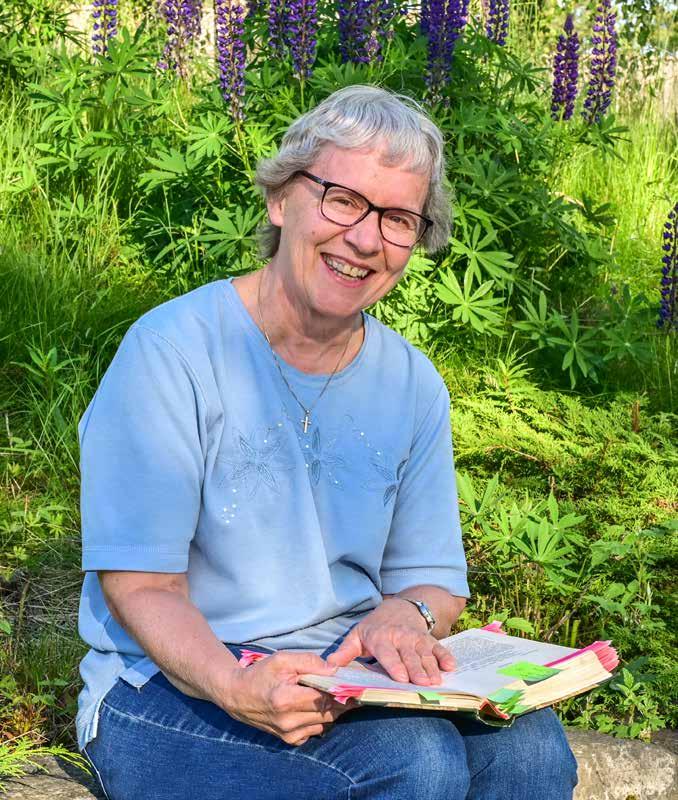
<point x="346" y="272"/>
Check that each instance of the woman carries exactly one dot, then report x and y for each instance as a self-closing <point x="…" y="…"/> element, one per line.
<point x="266" y="465"/>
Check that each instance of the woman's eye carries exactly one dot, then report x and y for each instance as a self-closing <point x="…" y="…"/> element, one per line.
<point x="402" y="221"/>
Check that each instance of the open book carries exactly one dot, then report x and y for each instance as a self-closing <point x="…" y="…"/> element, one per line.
<point x="498" y="677"/>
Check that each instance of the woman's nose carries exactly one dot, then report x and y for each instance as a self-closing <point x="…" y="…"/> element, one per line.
<point x="365" y="236"/>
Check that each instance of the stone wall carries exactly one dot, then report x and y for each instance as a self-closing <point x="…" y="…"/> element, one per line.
<point x="609" y="769"/>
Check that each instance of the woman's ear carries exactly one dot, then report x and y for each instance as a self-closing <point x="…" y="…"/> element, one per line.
<point x="276" y="207"/>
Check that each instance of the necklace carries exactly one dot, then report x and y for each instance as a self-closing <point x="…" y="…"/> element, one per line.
<point x="306" y="421"/>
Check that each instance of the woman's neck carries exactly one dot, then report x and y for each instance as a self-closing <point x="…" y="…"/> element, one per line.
<point x="311" y="344"/>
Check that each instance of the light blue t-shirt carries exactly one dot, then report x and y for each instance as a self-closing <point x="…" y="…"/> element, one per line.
<point x="194" y="459"/>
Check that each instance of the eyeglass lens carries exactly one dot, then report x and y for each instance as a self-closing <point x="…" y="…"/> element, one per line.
<point x="346" y="207"/>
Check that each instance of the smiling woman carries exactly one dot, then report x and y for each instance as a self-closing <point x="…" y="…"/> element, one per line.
<point x="266" y="466"/>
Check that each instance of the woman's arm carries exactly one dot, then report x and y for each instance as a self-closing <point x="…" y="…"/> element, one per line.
<point x="155" y="609"/>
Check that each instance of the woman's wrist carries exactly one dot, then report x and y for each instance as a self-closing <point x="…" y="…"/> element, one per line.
<point x="404" y="612"/>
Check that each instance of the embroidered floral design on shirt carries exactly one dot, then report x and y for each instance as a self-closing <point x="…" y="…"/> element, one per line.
<point x="258" y="459"/>
<point x="391" y="476"/>
<point x="319" y="452"/>
<point x="321" y="456"/>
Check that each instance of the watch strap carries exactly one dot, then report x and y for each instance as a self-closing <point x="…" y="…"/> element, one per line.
<point x="424" y="610"/>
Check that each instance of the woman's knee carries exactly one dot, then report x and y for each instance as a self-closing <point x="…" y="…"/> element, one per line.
<point x="545" y="746"/>
<point x="541" y="763"/>
<point x="416" y="756"/>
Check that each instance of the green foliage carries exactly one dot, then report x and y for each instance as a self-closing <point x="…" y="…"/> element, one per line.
<point x="121" y="187"/>
<point x="19" y="755"/>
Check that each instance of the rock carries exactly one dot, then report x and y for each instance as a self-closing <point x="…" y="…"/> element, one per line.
<point x="609" y="769"/>
<point x="624" y="769"/>
<point x="61" y="781"/>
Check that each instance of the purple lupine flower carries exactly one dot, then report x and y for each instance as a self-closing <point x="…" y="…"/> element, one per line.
<point x="302" y="32"/>
<point x="229" y="29"/>
<point x="668" y="310"/>
<point x="183" y="20"/>
<point x="447" y="20"/>
<point x="565" y="72"/>
<point x="276" y="27"/>
<point x="497" y="22"/>
<point x="603" y="63"/>
<point x="253" y="8"/>
<point x="387" y="12"/>
<point x="105" y="28"/>
<point x="364" y="25"/>
<point x="356" y="23"/>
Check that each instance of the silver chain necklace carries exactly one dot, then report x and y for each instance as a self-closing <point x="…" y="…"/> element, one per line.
<point x="306" y="421"/>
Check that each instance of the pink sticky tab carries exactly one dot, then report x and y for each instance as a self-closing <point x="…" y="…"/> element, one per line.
<point x="248" y="657"/>
<point x="344" y="692"/>
<point x="604" y="651"/>
<point x="494" y="627"/>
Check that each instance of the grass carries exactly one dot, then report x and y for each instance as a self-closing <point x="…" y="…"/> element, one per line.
<point x="640" y="189"/>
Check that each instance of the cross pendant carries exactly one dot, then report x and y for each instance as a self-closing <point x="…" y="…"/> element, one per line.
<point x="306" y="422"/>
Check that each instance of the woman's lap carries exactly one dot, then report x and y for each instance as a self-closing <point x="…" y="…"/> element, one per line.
<point x="157" y="743"/>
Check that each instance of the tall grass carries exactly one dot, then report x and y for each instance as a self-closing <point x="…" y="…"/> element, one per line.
<point x="640" y="185"/>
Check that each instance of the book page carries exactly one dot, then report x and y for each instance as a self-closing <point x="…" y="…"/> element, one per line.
<point x="479" y="655"/>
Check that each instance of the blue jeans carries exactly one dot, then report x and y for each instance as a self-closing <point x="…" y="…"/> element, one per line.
<point x="158" y="744"/>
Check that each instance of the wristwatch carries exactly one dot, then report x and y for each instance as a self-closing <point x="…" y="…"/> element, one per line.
<point x="424" y="610"/>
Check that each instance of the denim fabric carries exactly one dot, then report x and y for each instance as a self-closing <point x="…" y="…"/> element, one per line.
<point x="158" y="744"/>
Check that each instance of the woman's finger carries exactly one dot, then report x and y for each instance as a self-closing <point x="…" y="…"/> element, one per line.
<point x="430" y="664"/>
<point x="390" y="659"/>
<point x="302" y="735"/>
<point x="413" y="661"/>
<point x="445" y="659"/>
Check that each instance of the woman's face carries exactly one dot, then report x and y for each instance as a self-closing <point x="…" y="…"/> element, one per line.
<point x="308" y="240"/>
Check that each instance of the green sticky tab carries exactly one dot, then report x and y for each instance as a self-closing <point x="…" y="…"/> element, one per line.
<point x="518" y="709"/>
<point x="505" y="696"/>
<point x="430" y="697"/>
<point x="528" y="672"/>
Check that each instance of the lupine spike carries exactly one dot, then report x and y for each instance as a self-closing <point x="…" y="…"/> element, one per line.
<point x="603" y="63"/>
<point x="565" y="72"/>
<point x="105" y="28"/>
<point x="497" y="22"/>
<point x="302" y="33"/>
<point x="447" y="19"/>
<point x="253" y="8"/>
<point x="355" y="28"/>
<point x="230" y="49"/>
<point x="276" y="27"/>
<point x="668" y="309"/>
<point x="183" y="23"/>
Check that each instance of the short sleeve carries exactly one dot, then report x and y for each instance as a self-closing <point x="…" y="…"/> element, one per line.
<point x="424" y="544"/>
<point x="142" y="463"/>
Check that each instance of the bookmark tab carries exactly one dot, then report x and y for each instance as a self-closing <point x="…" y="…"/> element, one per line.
<point x="526" y="671"/>
<point x="505" y="696"/>
<point x="430" y="697"/>
<point x="248" y="657"/>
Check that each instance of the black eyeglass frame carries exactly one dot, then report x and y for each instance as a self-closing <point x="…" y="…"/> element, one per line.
<point x="327" y="185"/>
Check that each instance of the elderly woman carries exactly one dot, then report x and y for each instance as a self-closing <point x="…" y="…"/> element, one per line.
<point x="266" y="465"/>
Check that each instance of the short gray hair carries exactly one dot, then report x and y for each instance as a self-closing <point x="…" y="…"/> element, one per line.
<point x="359" y="117"/>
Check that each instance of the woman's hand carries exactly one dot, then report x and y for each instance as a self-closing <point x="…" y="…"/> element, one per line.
<point x="266" y="695"/>
<point x="395" y="634"/>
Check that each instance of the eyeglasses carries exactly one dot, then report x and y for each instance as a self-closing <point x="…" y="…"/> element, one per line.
<point x="346" y="207"/>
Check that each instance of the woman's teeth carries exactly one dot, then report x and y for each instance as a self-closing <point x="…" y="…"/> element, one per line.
<point x="345" y="270"/>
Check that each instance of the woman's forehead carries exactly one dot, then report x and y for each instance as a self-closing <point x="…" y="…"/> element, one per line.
<point x="369" y="170"/>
